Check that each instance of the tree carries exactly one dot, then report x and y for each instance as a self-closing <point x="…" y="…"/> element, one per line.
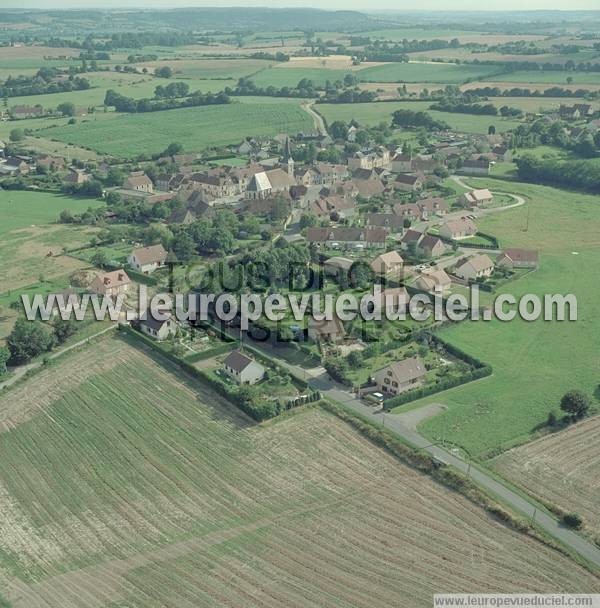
<point x="184" y="247"/>
<point x="28" y="339"/>
<point x="172" y="149"/>
<point x="491" y="130"/>
<point x="4" y="357"/>
<point x="575" y="404"/>
<point x="63" y="329"/>
<point x="355" y="359"/>
<point x="66" y="217"/>
<point x="67" y="108"/>
<point x="99" y="259"/>
<point x="307" y="220"/>
<point x="17" y="135"/>
<point x="572" y="520"/>
<point x="164" y="72"/>
<point x="338" y="129"/>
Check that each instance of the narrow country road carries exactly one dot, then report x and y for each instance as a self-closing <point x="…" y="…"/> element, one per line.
<point x="519" y="200"/>
<point x="317" y="118"/>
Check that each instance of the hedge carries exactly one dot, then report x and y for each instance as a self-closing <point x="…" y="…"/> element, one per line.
<point x="211" y="352"/>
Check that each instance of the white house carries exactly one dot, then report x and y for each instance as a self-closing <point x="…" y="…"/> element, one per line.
<point x="400" y="376"/>
<point x="147" y="259"/>
<point x="158" y="329"/>
<point x="477" y="267"/>
<point x="458" y="229"/>
<point x="476" y="198"/>
<point x="242" y="369"/>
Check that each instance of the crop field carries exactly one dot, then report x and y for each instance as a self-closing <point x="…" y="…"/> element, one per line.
<point x="370" y="114"/>
<point x="125" y="483"/>
<point x="528" y="358"/>
<point x="443" y="73"/>
<point x="131" y="134"/>
<point x="561" y="469"/>
<point x="465" y="37"/>
<point x="209" y="68"/>
<point x="547" y="76"/>
<point x="537" y="104"/>
<point x="289" y="77"/>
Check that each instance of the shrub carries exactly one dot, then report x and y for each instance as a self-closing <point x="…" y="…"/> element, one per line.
<point x="572" y="520"/>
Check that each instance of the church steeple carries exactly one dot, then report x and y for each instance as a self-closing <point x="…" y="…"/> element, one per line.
<point x="287" y="160"/>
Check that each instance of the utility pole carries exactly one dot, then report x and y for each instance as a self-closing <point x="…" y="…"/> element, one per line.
<point x="527" y="220"/>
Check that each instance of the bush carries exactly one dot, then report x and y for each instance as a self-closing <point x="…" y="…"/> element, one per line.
<point x="572" y="520"/>
<point x="575" y="404"/>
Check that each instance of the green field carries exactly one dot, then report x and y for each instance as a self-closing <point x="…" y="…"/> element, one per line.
<point x="443" y="73"/>
<point x="370" y="114"/>
<point x="534" y="363"/>
<point x="21" y="209"/>
<point x="210" y="68"/>
<point x="289" y="77"/>
<point x="130" y="85"/>
<point x="551" y="77"/>
<point x="195" y="128"/>
<point x="125" y="483"/>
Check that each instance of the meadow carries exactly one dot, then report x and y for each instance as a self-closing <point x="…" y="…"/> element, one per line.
<point x="547" y="76"/>
<point x="371" y="114"/>
<point x="534" y="363"/>
<point x="128" y="135"/>
<point x="125" y="483"/>
<point x="289" y="77"/>
<point x="443" y="73"/>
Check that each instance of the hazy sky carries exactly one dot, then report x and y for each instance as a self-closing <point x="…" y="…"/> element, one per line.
<point x="326" y="4"/>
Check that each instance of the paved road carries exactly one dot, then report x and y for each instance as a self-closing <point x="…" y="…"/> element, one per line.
<point x="317" y="118"/>
<point x="19" y="372"/>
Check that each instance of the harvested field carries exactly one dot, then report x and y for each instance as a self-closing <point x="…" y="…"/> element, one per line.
<point x="561" y="469"/>
<point x="126" y="484"/>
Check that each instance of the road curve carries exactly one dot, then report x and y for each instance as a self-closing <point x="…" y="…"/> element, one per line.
<point x="317" y="118"/>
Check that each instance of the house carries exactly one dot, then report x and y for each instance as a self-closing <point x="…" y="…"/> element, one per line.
<point x="337" y="265"/>
<point x="411" y="239"/>
<point x="477" y="267"/>
<point x="475" y="167"/>
<point x="369" y="160"/>
<point x="476" y="198"/>
<point x="409" y="211"/>
<point x="342" y="206"/>
<point x="431" y="246"/>
<point x="77" y="176"/>
<point x="182" y="215"/>
<point x="51" y="163"/>
<point x="423" y="165"/>
<point x="329" y="173"/>
<point x="518" y="258"/>
<point x="400" y="376"/>
<point x="139" y="181"/>
<point x="242" y="369"/>
<point x="326" y="330"/>
<point x="432" y="206"/>
<point x="158" y="329"/>
<point x="391" y="301"/>
<point x="111" y="284"/>
<point x="436" y="280"/>
<point x="405" y="182"/>
<point x="584" y="109"/>
<point x="368" y="188"/>
<point x="569" y="112"/>
<point x="401" y="163"/>
<point x="387" y="263"/>
<point x="392" y="223"/>
<point x="358" y="238"/>
<point x="27" y="111"/>
<point x="266" y="183"/>
<point x="458" y="229"/>
<point x="147" y="259"/>
<point x="502" y="153"/>
<point x="15" y="165"/>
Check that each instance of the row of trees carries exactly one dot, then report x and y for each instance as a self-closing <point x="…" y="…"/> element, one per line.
<point x="44" y="82"/>
<point x="129" y="104"/>
<point x="584" y="174"/>
<point x="412" y="119"/>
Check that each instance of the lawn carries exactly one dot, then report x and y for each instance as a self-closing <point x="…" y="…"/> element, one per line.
<point x="125" y="483"/>
<point x="443" y="73"/>
<point x="195" y="128"/>
<point x="534" y="363"/>
<point x="370" y="114"/>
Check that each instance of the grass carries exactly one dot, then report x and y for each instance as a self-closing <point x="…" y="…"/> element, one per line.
<point x="21" y="208"/>
<point x="534" y="363"/>
<point x="370" y="114"/>
<point x="550" y="77"/>
<point x="289" y="77"/>
<point x="195" y="128"/>
<point x="126" y="482"/>
<point x="443" y="73"/>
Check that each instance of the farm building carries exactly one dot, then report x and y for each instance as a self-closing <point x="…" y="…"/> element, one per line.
<point x="518" y="258"/>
